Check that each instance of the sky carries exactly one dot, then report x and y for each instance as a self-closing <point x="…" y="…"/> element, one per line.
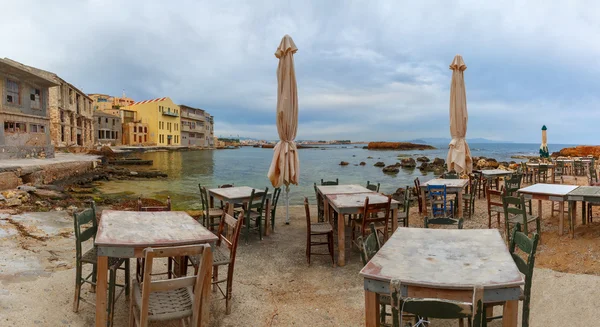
<point x="366" y="70"/>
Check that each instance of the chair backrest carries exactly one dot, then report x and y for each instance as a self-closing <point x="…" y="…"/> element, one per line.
<point x="437" y="194"/>
<point x="529" y="247"/>
<point x="542" y="169"/>
<point x="578" y="164"/>
<point x="82" y="233"/>
<point x="229" y="232"/>
<point x="494" y="198"/>
<point x="257" y="200"/>
<point x="373" y="187"/>
<point x="200" y="283"/>
<point x="514" y="206"/>
<point x="418" y="186"/>
<point x="474" y="181"/>
<point x="437" y="308"/>
<point x="593" y="174"/>
<point x="370" y="245"/>
<point x="406" y="202"/>
<point x="154" y="208"/>
<point x="307" y="213"/>
<point x="204" y="197"/>
<point x="336" y="182"/>
<point x="513" y="184"/>
<point x="371" y="214"/>
<point x="274" y="200"/>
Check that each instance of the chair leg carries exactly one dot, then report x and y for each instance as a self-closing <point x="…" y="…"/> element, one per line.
<point x="330" y="244"/>
<point x="382" y="314"/>
<point x="127" y="278"/>
<point x="77" y="287"/>
<point x="215" y="277"/>
<point x="260" y="229"/>
<point x="169" y="267"/>
<point x="308" y="249"/>
<point x="229" y="290"/>
<point x="111" y="295"/>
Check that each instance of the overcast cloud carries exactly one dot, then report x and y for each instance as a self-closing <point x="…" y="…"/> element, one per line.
<point x="366" y="70"/>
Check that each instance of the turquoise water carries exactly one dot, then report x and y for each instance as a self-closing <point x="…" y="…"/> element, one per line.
<point x="248" y="166"/>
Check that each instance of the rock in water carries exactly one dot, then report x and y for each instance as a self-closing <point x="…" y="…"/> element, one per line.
<point x="379" y="164"/>
<point x="344" y="163"/>
<point x="438" y="162"/>
<point x="391" y="170"/>
<point x="362" y="163"/>
<point x="423" y="159"/>
<point x="408" y="163"/>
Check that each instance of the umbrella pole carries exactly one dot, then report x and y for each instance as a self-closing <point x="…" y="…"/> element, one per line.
<point x="287" y="204"/>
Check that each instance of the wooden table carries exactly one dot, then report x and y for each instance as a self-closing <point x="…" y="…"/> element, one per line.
<point x="549" y="192"/>
<point x="325" y="190"/>
<point x="125" y="234"/>
<point x="495" y="174"/>
<point x="351" y="204"/>
<point x="535" y="167"/>
<point x="239" y="195"/>
<point x="447" y="264"/>
<point x="584" y="194"/>
<point x="452" y="186"/>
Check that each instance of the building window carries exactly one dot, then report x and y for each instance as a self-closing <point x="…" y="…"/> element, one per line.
<point x="145" y="138"/>
<point x="12" y="92"/>
<point x="70" y="96"/>
<point x="106" y="120"/>
<point x="35" y="128"/>
<point x="134" y="138"/>
<point x="99" y="120"/>
<point x="113" y="122"/>
<point x="35" y="95"/>
<point x="99" y="134"/>
<point x="116" y="135"/>
<point x="145" y="129"/>
<point x="134" y="129"/>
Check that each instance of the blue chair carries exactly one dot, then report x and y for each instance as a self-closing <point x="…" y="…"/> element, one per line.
<point x="440" y="205"/>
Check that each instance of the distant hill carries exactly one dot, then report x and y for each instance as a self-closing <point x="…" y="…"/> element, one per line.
<point x="441" y="140"/>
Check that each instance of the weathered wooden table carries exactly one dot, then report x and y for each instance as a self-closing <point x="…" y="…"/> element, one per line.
<point x="353" y="204"/>
<point x="584" y="194"/>
<point x="536" y="166"/>
<point x="446" y="264"/>
<point x="325" y="190"/>
<point x="125" y="234"/>
<point x="495" y="174"/>
<point x="452" y="186"/>
<point x="549" y="192"/>
<point x="240" y="195"/>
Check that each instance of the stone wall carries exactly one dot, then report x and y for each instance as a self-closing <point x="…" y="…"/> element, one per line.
<point x="19" y="152"/>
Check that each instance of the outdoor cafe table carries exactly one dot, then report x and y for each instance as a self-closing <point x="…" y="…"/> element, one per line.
<point x="549" y="192"/>
<point x="446" y="264"/>
<point x="452" y="186"/>
<point x="535" y="166"/>
<point x="351" y="204"/>
<point x="239" y="195"/>
<point x="125" y="234"/>
<point x="495" y="174"/>
<point x="584" y="194"/>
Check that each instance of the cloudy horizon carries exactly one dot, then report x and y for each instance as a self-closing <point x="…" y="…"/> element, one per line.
<point x="374" y="70"/>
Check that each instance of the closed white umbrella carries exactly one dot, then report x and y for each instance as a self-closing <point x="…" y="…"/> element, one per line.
<point x="459" y="155"/>
<point x="285" y="166"/>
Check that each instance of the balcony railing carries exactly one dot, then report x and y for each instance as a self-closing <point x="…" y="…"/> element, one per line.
<point x="170" y="113"/>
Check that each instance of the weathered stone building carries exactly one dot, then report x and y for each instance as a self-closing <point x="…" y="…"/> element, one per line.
<point x="109" y="103"/>
<point x="196" y="127"/>
<point x="24" y="112"/>
<point x="108" y="128"/>
<point x="70" y="110"/>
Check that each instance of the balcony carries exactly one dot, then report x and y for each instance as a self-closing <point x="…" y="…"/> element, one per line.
<point x="192" y="116"/>
<point x="197" y="129"/>
<point x="170" y="113"/>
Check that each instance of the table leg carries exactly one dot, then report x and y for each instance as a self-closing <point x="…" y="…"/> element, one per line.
<point x="584" y="212"/>
<point x="268" y="218"/>
<point x="571" y="215"/>
<point x="326" y="210"/>
<point x="341" y="240"/>
<point x="371" y="309"/>
<point x="540" y="209"/>
<point x="510" y="315"/>
<point x="101" y="286"/>
<point x="423" y="202"/>
<point x="394" y="220"/>
<point x="561" y="207"/>
<point x="230" y="209"/>
<point x="460" y="204"/>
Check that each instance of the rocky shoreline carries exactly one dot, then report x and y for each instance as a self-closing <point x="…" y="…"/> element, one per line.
<point x="402" y="146"/>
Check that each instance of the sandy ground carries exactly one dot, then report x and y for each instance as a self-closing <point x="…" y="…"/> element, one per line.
<point x="273" y="285"/>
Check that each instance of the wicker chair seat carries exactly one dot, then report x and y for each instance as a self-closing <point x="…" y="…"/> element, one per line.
<point x="214" y="212"/>
<point x="513" y="219"/>
<point x="320" y="228"/>
<point x="91" y="256"/>
<point x="498" y="209"/>
<point x="220" y="256"/>
<point x="166" y="305"/>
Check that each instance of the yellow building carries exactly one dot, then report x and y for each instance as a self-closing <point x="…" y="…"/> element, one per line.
<point x="108" y="103"/>
<point x="163" y="119"/>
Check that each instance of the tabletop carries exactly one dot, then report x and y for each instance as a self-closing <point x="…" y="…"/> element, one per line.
<point x="143" y="229"/>
<point x="358" y="199"/>
<point x="495" y="172"/>
<point x="587" y="191"/>
<point x="448" y="182"/>
<point x="445" y="258"/>
<point x="534" y="164"/>
<point x="342" y="189"/>
<point x="231" y="193"/>
<point x="548" y="189"/>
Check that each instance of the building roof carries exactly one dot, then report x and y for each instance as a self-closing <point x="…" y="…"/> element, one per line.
<point x="148" y="101"/>
<point x="45" y="75"/>
<point x="18" y="69"/>
<point x="100" y="113"/>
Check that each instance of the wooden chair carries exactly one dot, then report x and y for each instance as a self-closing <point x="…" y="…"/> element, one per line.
<point x="528" y="246"/>
<point x="527" y="173"/>
<point x="470" y="195"/>
<point x="320" y="206"/>
<point x="439" y="202"/>
<point x="511" y="188"/>
<point x="274" y="200"/>
<point x="437" y="308"/>
<point x="559" y="171"/>
<point x="480" y="184"/>
<point x="83" y="234"/>
<point x="237" y="207"/>
<point x="325" y="183"/>
<point x="209" y="214"/>
<point x="317" y="230"/>
<point x="224" y="253"/>
<point x="578" y="168"/>
<point x="255" y="212"/>
<point x="494" y="205"/>
<point x="417" y="183"/>
<point x="515" y="212"/>
<point x="373" y="187"/>
<point x="405" y="213"/>
<point x="593" y="182"/>
<point x="184" y="298"/>
<point x="542" y="173"/>
<point x="371" y="215"/>
<point x="171" y="262"/>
